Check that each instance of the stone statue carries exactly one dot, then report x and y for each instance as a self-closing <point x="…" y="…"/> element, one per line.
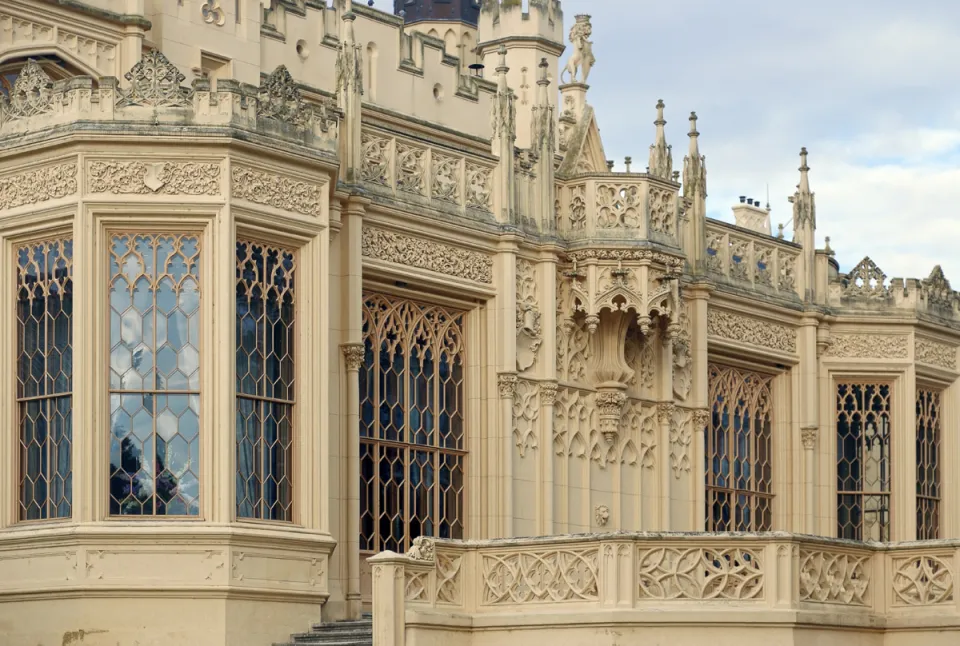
<point x="581" y="59"/>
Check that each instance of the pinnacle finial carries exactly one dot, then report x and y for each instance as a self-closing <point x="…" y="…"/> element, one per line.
<point x="804" y="185"/>
<point x="661" y="161"/>
<point x="544" y="66"/>
<point x="660" y="106"/>
<point x="502" y="66"/>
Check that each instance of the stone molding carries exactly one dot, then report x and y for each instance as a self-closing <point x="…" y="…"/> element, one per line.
<point x="38" y="185"/>
<point x="160" y="178"/>
<point x="743" y="329"/>
<point x="867" y="346"/>
<point x="935" y="353"/>
<point x="427" y="254"/>
<point x="277" y="191"/>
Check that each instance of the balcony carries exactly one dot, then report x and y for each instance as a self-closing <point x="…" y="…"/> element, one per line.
<point x="752" y="260"/>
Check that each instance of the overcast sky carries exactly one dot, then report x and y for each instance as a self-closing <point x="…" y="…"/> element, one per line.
<point x="869" y="87"/>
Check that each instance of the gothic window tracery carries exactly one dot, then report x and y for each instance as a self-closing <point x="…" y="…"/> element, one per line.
<point x="928" y="463"/>
<point x="863" y="461"/>
<point x="412" y="444"/>
<point x="45" y="378"/>
<point x="739" y="451"/>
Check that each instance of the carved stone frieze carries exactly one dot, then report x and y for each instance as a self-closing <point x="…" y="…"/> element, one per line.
<point x="278" y="191"/>
<point x="38" y="185"/>
<point x="161" y="178"/>
<point x="427" y="254"/>
<point x="935" y="353"/>
<point x="479" y="187"/>
<point x="662" y="211"/>
<point x="375" y="159"/>
<point x="446" y="178"/>
<point x="732" y="573"/>
<point x="735" y="327"/>
<point x="411" y="168"/>
<point x="529" y="330"/>
<point x="539" y="576"/>
<point x="526" y="416"/>
<point x="582" y="255"/>
<point x="868" y="346"/>
<point x="618" y="207"/>
<point x="830" y="577"/>
<point x="155" y="82"/>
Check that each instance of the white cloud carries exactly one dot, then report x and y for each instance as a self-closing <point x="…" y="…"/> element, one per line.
<point x="869" y="87"/>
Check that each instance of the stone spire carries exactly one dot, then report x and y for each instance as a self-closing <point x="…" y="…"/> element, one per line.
<point x="504" y="131"/>
<point x="694" y="165"/>
<point x="804" y="205"/>
<point x="544" y="129"/>
<point x="661" y="156"/>
<point x="349" y="91"/>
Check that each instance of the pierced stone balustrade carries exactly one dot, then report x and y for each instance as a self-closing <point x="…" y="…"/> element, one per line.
<point x="616" y="207"/>
<point x="751" y="259"/>
<point x="575" y="586"/>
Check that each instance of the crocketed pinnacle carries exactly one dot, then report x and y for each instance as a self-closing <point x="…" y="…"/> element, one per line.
<point x="694" y="164"/>
<point x="804" y="205"/>
<point x="661" y="156"/>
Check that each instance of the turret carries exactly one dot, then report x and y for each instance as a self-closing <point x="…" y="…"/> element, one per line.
<point x="452" y="21"/>
<point x="529" y="38"/>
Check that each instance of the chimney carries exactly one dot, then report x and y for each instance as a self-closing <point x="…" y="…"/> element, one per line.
<point x="749" y="214"/>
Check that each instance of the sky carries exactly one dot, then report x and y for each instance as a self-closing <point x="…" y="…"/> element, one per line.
<point x="869" y="87"/>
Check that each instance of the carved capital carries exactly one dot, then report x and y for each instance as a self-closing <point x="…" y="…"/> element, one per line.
<point x="665" y="411"/>
<point x="808" y="435"/>
<point x="353" y="354"/>
<point x="610" y="405"/>
<point x="507" y="384"/>
<point x="548" y="393"/>
<point x="701" y="418"/>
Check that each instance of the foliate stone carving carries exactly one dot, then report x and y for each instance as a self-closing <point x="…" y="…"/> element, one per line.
<point x="868" y="346"/>
<point x="479" y="187"/>
<point x="714" y="252"/>
<point x="935" y="353"/>
<point x="375" y="159"/>
<point x="422" y="549"/>
<point x="936" y="289"/>
<point x="529" y="330"/>
<point x="682" y="357"/>
<point x="155" y="82"/>
<point x="526" y="416"/>
<point x="582" y="59"/>
<point x="639" y="355"/>
<point x="426" y="254"/>
<point x="36" y="186"/>
<point x="547" y="576"/>
<point x="410" y="168"/>
<point x="808" y="437"/>
<point x="740" y="259"/>
<point x="735" y="327"/>
<point x="507" y="385"/>
<point x="827" y="577"/>
<point x="578" y="208"/>
<point x="573" y="341"/>
<point x="638" y="433"/>
<point x="446" y="178"/>
<point x="161" y="178"/>
<point x="548" y="393"/>
<point x="213" y="13"/>
<point x="280" y="99"/>
<point x="610" y="406"/>
<point x="277" y="191"/>
<point x="574" y="416"/>
<point x="602" y="515"/>
<point x="763" y="266"/>
<point x="922" y="580"/>
<point x="680" y="433"/>
<point x="662" y="211"/>
<point x="788" y="272"/>
<point x="866" y="280"/>
<point x="618" y="207"/>
<point x="671" y="262"/>
<point x="31" y="94"/>
<point x="353" y="355"/>
<point x="700" y="573"/>
<point x="449" y="587"/>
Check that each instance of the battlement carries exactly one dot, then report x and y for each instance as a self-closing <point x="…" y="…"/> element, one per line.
<point x="530" y="19"/>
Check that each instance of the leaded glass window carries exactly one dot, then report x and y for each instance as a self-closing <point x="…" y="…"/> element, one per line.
<point x="928" y="463"/>
<point x="738" y="451"/>
<point x="154" y="374"/>
<point x="412" y="445"/>
<point x="863" y="461"/>
<point x="45" y="378"/>
<point x="266" y="327"/>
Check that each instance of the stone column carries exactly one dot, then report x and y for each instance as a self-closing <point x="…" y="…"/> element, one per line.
<point x="548" y="397"/>
<point x="388" y="599"/>
<point x="353" y="354"/>
<point x="808" y="435"/>
<point x="507" y="386"/>
<point x="665" y="411"/>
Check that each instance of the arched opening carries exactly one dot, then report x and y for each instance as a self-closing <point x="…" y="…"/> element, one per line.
<point x="371" y="72"/>
<point x="54" y="67"/>
<point x="450" y="42"/>
<point x="468" y="55"/>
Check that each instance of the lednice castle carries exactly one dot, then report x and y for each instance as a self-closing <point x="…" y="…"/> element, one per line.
<point x="322" y="312"/>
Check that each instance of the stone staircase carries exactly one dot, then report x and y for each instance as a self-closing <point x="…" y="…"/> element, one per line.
<point x="358" y="632"/>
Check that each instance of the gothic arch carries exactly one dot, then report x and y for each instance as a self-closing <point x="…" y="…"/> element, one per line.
<point x="74" y="66"/>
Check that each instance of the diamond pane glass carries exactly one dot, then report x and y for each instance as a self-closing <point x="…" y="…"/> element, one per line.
<point x="45" y="378"/>
<point x="738" y="451"/>
<point x="863" y="461"/>
<point x="265" y="383"/>
<point x="412" y="453"/>
<point x="928" y="464"/>
<point x="154" y="375"/>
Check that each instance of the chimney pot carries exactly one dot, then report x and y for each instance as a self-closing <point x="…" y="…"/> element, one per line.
<point x="743" y="198"/>
<point x="750" y="201"/>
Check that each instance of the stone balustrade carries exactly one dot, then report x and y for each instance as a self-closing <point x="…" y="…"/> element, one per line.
<point x="618" y="206"/>
<point x="578" y="583"/>
<point x="751" y="259"/>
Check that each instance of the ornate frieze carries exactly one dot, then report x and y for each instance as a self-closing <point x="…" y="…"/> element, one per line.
<point x="375" y="159"/>
<point x="734" y="327"/>
<point x="830" y="577"/>
<point x="479" y="187"/>
<point x="446" y="178"/>
<point x="38" y="185"/>
<point x="411" y="168"/>
<point x="618" y="206"/>
<point x="427" y="254"/>
<point x="673" y="262"/>
<point x="161" y="178"/>
<point x="529" y="330"/>
<point x="868" y="346"/>
<point x="696" y="574"/>
<point x="278" y="191"/>
<point x="662" y="211"/>
<point x="935" y="353"/>
<point x="540" y="576"/>
<point x="155" y="82"/>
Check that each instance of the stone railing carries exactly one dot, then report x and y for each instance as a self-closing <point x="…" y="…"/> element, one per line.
<point x="411" y="170"/>
<point x="751" y="259"/>
<point x="575" y="584"/>
<point x="619" y="206"/>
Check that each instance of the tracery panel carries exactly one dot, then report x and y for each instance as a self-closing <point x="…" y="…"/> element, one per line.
<point x="266" y="380"/>
<point x="928" y="463"/>
<point x="863" y="461"/>
<point x="45" y="378"/>
<point x="738" y="451"/>
<point x="154" y="374"/>
<point x="412" y="446"/>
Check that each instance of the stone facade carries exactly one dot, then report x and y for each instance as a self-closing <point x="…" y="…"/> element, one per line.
<point x="308" y="318"/>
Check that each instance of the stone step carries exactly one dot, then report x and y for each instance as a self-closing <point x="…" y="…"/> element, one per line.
<point x="357" y="632"/>
<point x="344" y="625"/>
<point x="326" y="637"/>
